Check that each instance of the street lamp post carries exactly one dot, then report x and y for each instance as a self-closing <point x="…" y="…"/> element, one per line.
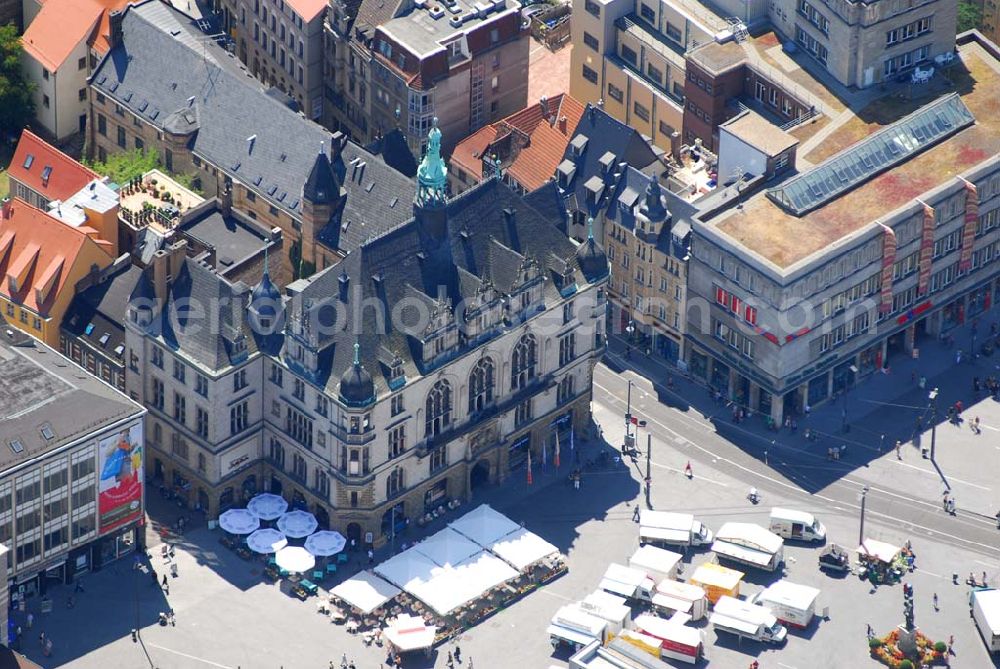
<point x="649" y="476"/>
<point x="861" y="531"/>
<point x="932" y="396"/>
<point x="629" y="330"/>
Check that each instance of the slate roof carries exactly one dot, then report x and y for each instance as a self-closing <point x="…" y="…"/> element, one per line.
<point x="102" y="307"/>
<point x="602" y="135"/>
<point x="373" y="13"/>
<point x="410" y="262"/>
<point x="395" y="152"/>
<point x="40" y="387"/>
<point x="630" y="193"/>
<point x="164" y="60"/>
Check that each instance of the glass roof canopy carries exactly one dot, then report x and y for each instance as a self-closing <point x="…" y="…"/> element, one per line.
<point x="876" y="153"/>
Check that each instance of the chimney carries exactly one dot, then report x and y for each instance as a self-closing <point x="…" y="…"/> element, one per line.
<point x="166" y="264"/>
<point x="562" y="124"/>
<point x="508" y="216"/>
<point x="115" y="27"/>
<point x="250" y="142"/>
<point x="6" y="209"/>
<point x="544" y="103"/>
<point x="345" y="284"/>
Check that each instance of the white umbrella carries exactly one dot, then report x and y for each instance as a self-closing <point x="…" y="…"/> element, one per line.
<point x="238" y="521"/>
<point x="267" y="506"/>
<point x="325" y="543"/>
<point x="267" y="540"/>
<point x="297" y="524"/>
<point x="295" y="559"/>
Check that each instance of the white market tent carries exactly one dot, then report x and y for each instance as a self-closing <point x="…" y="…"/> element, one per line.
<point x="408" y="633"/>
<point x="750" y="536"/>
<point x="879" y="550"/>
<point x="447" y="547"/>
<point x="453" y="586"/>
<point x="484" y="525"/>
<point x="654" y="559"/>
<point x="523" y="549"/>
<point x="365" y="591"/>
<point x="406" y="569"/>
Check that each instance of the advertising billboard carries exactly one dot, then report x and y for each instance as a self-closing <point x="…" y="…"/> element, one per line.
<point x="119" y="498"/>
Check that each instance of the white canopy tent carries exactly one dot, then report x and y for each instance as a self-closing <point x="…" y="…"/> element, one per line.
<point x="408" y="633"/>
<point x="406" y="569"/>
<point x="879" y="550"/>
<point x="453" y="586"/>
<point x="267" y="506"/>
<point x="365" y="591"/>
<point x="447" y="547"/>
<point x="523" y="549"/>
<point x="484" y="525"/>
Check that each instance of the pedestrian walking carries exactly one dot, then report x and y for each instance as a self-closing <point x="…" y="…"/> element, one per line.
<point x="687" y="470"/>
<point x="899" y="449"/>
<point x="31" y="619"/>
<point x="976" y="423"/>
<point x="458" y="655"/>
<point x="165" y="578"/>
<point x="343" y="659"/>
<point x="935" y="602"/>
<point x="371" y="557"/>
<point x="870" y="631"/>
<point x="41" y="638"/>
<point x="635" y="514"/>
<point x="951" y="642"/>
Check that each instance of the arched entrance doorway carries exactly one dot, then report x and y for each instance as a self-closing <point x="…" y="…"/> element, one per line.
<point x="226" y="499"/>
<point x="322" y="517"/>
<point x="479" y="477"/>
<point x="275" y="485"/>
<point x="249" y="487"/>
<point x="354" y="534"/>
<point x="202" y="500"/>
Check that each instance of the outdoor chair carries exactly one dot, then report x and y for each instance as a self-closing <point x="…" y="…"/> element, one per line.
<point x="331" y="568"/>
<point x="318" y="575"/>
<point x="342" y="558"/>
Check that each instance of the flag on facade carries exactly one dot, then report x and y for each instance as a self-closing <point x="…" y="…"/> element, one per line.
<point x="571" y="437"/>
<point x="530" y="480"/>
<point x="545" y="455"/>
<point x="557" y="450"/>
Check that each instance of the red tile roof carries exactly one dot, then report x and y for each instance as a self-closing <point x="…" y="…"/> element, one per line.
<point x="536" y="162"/>
<point x="307" y="9"/>
<point x="37" y="252"/>
<point x="62" y="24"/>
<point x="67" y="177"/>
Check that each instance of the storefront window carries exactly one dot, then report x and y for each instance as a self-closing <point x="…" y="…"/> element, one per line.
<point x="436" y="496"/>
<point x="699" y="365"/>
<point x="951" y="315"/>
<point x="818" y="389"/>
<point x="720" y="377"/>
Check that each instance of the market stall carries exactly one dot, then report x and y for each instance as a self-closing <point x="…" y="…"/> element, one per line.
<point x="880" y="562"/>
<point x="409" y="633"/>
<point x="406" y="569"/>
<point x="454" y="586"/>
<point x="523" y="549"/>
<point x="365" y="592"/>
<point x="484" y="525"/>
<point x="447" y="547"/>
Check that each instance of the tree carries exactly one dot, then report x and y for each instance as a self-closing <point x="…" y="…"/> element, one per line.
<point x="16" y="105"/>
<point x="123" y="167"/>
<point x="970" y="15"/>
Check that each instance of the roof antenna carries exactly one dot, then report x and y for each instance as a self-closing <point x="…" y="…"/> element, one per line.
<point x="590" y="228"/>
<point x="357" y="353"/>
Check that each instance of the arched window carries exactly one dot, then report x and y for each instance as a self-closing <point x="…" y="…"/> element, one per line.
<point x="565" y="390"/>
<point x="481" y="385"/>
<point x="437" y="409"/>
<point x="277" y="453"/>
<point x="394" y="483"/>
<point x="522" y="363"/>
<point x="322" y="484"/>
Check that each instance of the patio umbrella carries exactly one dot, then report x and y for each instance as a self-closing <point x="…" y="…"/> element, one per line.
<point x="267" y="506"/>
<point x="267" y="540"/>
<point x="297" y="524"/>
<point x="295" y="559"/>
<point x="238" y="521"/>
<point x="325" y="543"/>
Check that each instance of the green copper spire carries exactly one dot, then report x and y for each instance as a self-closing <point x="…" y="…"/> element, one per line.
<point x="432" y="175"/>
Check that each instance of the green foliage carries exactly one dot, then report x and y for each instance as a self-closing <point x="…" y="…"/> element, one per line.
<point x="123" y="167"/>
<point x="190" y="181"/>
<point x="874" y="642"/>
<point x="970" y="15"/>
<point x="905" y="664"/>
<point x="16" y="106"/>
<point x="940" y="646"/>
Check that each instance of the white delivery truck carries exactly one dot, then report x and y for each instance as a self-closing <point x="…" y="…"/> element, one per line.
<point x="797" y="525"/>
<point x="679" y="529"/>
<point x="633" y="584"/>
<point x="985" y="603"/>
<point x="575" y="628"/>
<point x="677" y="640"/>
<point x="749" y="544"/>
<point x="657" y="562"/>
<point x="747" y="620"/>
<point x="674" y="596"/>
<point x="791" y="603"/>
<point x="610" y="608"/>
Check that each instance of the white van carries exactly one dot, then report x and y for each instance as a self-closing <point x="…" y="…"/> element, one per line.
<point x="747" y="620"/>
<point x="797" y="525"/>
<point x="610" y="608"/>
<point x="633" y="584"/>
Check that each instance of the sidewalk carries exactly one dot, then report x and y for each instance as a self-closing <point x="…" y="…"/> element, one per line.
<point x="880" y="408"/>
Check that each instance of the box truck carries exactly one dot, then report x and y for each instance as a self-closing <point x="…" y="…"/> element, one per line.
<point x="676" y="597"/>
<point x="575" y="628"/>
<point x="629" y="583"/>
<point x="677" y="640"/>
<point x="749" y="544"/>
<point x="656" y="562"/>
<point x="796" y="525"/>
<point x="791" y="603"/>
<point x="985" y="603"/>
<point x="610" y="608"/>
<point x="746" y="620"/>
<point x="717" y="581"/>
<point x="679" y="529"/>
